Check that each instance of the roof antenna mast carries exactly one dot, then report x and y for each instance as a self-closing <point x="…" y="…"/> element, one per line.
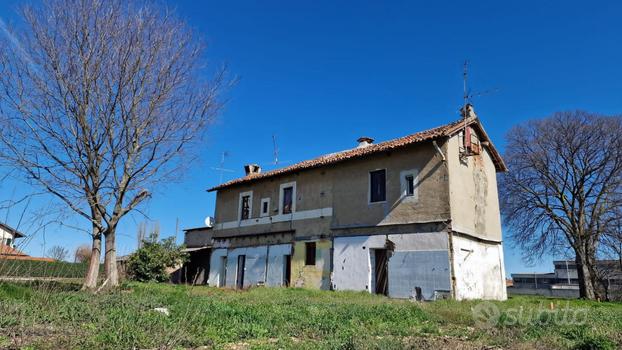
<point x="465" y="76"/>
<point x="221" y="168"/>
<point x="275" y="153"/>
<point x="276" y="150"/>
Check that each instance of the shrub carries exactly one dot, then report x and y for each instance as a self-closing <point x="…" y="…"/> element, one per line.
<point x="150" y="262"/>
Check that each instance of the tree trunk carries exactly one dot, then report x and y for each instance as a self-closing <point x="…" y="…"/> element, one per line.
<point x="587" y="288"/>
<point x="90" y="281"/>
<point x="110" y="259"/>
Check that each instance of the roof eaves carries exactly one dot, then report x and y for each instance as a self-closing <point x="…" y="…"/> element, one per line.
<point x="13" y="231"/>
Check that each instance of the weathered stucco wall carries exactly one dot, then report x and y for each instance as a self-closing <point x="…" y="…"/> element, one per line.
<point x="198" y="237"/>
<point x="478" y="269"/>
<point x="351" y="207"/>
<point x="418" y="260"/>
<point x="264" y="265"/>
<point x="312" y="276"/>
<point x="338" y="197"/>
<point x="473" y="193"/>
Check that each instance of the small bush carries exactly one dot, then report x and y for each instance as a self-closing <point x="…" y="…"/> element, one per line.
<point x="149" y="263"/>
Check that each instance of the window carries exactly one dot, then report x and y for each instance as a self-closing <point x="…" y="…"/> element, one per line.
<point x="410" y="185"/>
<point x="377" y="188"/>
<point x="245" y="206"/>
<point x="310" y="253"/>
<point x="265" y="207"/>
<point x="245" y="210"/>
<point x="287" y="199"/>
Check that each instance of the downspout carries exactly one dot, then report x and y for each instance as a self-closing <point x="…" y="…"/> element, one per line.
<point x="439" y="150"/>
<point x="265" y="278"/>
<point x="452" y="272"/>
<point x="450" y="233"/>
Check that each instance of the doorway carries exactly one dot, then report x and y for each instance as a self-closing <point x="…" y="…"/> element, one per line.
<point x="381" y="271"/>
<point x="287" y="270"/>
<point x="239" y="282"/>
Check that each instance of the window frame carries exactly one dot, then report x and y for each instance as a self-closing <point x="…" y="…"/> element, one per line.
<point x="369" y="186"/>
<point x="282" y="188"/>
<point x="267" y="212"/>
<point x="250" y="205"/>
<point x="404" y="184"/>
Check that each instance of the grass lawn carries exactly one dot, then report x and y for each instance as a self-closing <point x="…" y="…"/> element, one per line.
<point x="56" y="316"/>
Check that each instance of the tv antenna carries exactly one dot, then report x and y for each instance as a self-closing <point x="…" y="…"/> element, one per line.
<point x="275" y="152"/>
<point x="468" y="96"/>
<point x="222" y="168"/>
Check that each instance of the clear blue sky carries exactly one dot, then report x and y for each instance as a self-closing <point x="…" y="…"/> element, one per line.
<point x="319" y="74"/>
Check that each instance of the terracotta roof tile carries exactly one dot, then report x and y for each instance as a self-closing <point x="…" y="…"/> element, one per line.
<point x="434" y="133"/>
<point x="5" y="250"/>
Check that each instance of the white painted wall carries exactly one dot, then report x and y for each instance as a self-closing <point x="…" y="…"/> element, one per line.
<point x="5" y="236"/>
<point x="276" y="264"/>
<point x="353" y="263"/>
<point x="264" y="265"/>
<point x="216" y="267"/>
<point x="479" y="270"/>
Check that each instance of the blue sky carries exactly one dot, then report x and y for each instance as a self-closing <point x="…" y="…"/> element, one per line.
<point x="319" y="74"/>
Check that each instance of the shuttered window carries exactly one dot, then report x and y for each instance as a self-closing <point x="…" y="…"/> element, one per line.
<point x="377" y="183"/>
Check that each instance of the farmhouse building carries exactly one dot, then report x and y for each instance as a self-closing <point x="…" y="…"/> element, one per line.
<point x="414" y="217"/>
<point x="8" y="235"/>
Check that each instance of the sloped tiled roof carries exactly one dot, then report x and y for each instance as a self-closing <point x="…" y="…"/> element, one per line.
<point x="6" y="250"/>
<point x="430" y="134"/>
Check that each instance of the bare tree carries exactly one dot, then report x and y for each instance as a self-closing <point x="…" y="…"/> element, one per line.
<point x="564" y="187"/>
<point x="58" y="253"/>
<point x="82" y="254"/>
<point x="100" y="100"/>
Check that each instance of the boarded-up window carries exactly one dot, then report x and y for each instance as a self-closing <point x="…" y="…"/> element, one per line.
<point x="245" y="209"/>
<point x="377" y="182"/>
<point x="288" y="193"/>
<point x="310" y="253"/>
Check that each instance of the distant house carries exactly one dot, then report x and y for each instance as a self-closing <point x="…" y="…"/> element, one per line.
<point x="413" y="217"/>
<point x="8" y="250"/>
<point x="563" y="282"/>
<point x="8" y="235"/>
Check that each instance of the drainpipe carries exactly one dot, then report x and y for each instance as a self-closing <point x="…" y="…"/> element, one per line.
<point x="439" y="150"/>
<point x="450" y="235"/>
<point x="265" y="278"/>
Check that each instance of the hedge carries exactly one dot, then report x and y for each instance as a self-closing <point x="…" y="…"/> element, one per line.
<point x="30" y="268"/>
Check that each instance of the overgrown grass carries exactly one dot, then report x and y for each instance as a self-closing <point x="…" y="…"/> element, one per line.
<point x="47" y="316"/>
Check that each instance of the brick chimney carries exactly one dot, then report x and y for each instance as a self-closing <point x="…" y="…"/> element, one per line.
<point x="251" y="169"/>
